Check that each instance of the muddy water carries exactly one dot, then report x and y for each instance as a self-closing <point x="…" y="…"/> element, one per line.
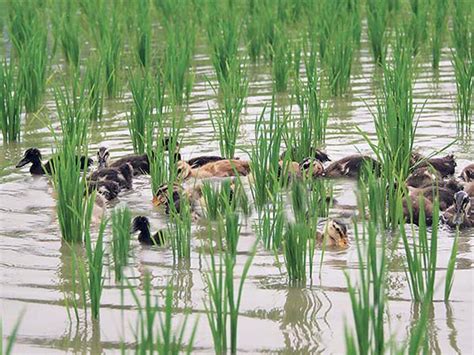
<point x="36" y="267"/>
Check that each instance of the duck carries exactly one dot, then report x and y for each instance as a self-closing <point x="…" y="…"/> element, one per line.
<point x="139" y="162"/>
<point x="445" y="195"/>
<point x="467" y="173"/>
<point x="313" y="153"/>
<point x="141" y="224"/>
<point x="107" y="188"/>
<point x="412" y="209"/>
<point x="177" y="192"/>
<point x="122" y="175"/>
<point x="445" y="166"/>
<point x="423" y="177"/>
<point x="220" y="168"/>
<point x="98" y="209"/>
<point x="469" y="188"/>
<point x="350" y="166"/>
<point x="334" y="235"/>
<point x="461" y="213"/>
<point x="308" y="167"/>
<point x="33" y="156"/>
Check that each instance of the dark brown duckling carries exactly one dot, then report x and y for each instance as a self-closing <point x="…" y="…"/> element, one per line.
<point x="139" y="162"/>
<point x="468" y="173"/>
<point x="414" y="216"/>
<point x="108" y="189"/>
<point x="313" y="153"/>
<point x="197" y="162"/>
<point x="142" y="224"/>
<point x="461" y="213"/>
<point x="350" y="166"/>
<point x="445" y="165"/>
<point x="445" y="195"/>
<point x="33" y="156"/>
<point x="122" y="175"/>
<point x="423" y="177"/>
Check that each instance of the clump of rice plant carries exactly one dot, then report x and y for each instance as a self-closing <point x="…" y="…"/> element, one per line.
<point x="142" y="121"/>
<point x="438" y="29"/>
<point x="224" y="298"/>
<point x="421" y="255"/>
<point x="227" y="196"/>
<point x="156" y="332"/>
<point x="95" y="88"/>
<point x="180" y="230"/>
<point x="271" y="223"/>
<point x="264" y="157"/>
<point x="282" y="62"/>
<point x="450" y="269"/>
<point x="418" y="23"/>
<point x="11" y="102"/>
<point x="143" y="41"/>
<point x="463" y="62"/>
<point x="377" y="23"/>
<point x="295" y="251"/>
<point x="226" y="118"/>
<point x="67" y="30"/>
<point x="121" y="223"/>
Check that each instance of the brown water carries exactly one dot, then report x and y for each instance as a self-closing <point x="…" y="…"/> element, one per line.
<point x="36" y="267"/>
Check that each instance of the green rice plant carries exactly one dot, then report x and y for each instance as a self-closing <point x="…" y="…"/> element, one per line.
<point x="156" y="333"/>
<point x="254" y="30"/>
<point x="271" y="223"/>
<point x="23" y="22"/>
<point x="372" y="197"/>
<point x="95" y="277"/>
<point x="418" y="24"/>
<point x="73" y="203"/>
<point x="180" y="38"/>
<point x="395" y="123"/>
<point x="377" y="23"/>
<point x="450" y="269"/>
<point x="264" y="157"/>
<point x="229" y="229"/>
<point x="295" y="250"/>
<point x="463" y="63"/>
<point x="8" y="349"/>
<point x="438" y="29"/>
<point x="121" y="223"/>
<point x="223" y="303"/>
<point x="67" y="30"/>
<point x="143" y="41"/>
<point x="11" y="102"/>
<point x="141" y="122"/>
<point x="226" y="118"/>
<point x="307" y="132"/>
<point x="421" y="254"/>
<point x="226" y="197"/>
<point x="95" y="88"/>
<point x="368" y="295"/>
<point x="354" y="9"/>
<point x="282" y="62"/>
<point x="180" y="231"/>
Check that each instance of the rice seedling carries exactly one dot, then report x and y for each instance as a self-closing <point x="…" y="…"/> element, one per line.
<point x="143" y="41"/>
<point x="438" y="29"/>
<point x="463" y="62"/>
<point x="450" y="269"/>
<point x="295" y="252"/>
<point x="74" y="204"/>
<point x="377" y="23"/>
<point x="141" y="122"/>
<point x="421" y="255"/>
<point x="368" y="295"/>
<point x="23" y="22"/>
<point x="254" y="32"/>
<point x="180" y="230"/>
<point x="264" y="157"/>
<point x="95" y="277"/>
<point x="282" y="62"/>
<point x="226" y="119"/>
<point x="121" y="223"/>
<point x="155" y="333"/>
<point x="218" y="200"/>
<point x="223" y="304"/>
<point x="180" y="37"/>
<point x="418" y="23"/>
<point x="8" y="348"/>
<point x="95" y="89"/>
<point x="11" y="102"/>
<point x="354" y="9"/>
<point x="67" y="30"/>
<point x="271" y="223"/>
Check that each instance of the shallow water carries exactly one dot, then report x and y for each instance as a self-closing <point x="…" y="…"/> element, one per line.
<point x="36" y="267"/>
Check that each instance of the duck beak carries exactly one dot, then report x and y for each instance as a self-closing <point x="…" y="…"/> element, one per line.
<point x="343" y="243"/>
<point x="22" y="162"/>
<point x="458" y="217"/>
<point x="156" y="201"/>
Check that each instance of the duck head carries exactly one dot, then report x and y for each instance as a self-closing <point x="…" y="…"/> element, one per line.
<point x="335" y="234"/>
<point x="183" y="170"/>
<point x="103" y="157"/>
<point x="140" y="224"/>
<point x="311" y="167"/>
<point x="32" y="155"/>
<point x="462" y="206"/>
<point x="127" y="171"/>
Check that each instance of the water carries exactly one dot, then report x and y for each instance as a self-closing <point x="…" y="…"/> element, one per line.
<point x="36" y="266"/>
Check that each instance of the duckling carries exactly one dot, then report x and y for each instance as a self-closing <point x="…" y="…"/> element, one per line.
<point x="422" y="177"/>
<point x="445" y="195"/>
<point x="98" y="209"/>
<point x="142" y="224"/>
<point x="334" y="235"/>
<point x="33" y="156"/>
<point x="220" y="168"/>
<point x="192" y="194"/>
<point x="314" y="153"/>
<point x="415" y="208"/>
<point x="350" y="166"/>
<point x="122" y="175"/>
<point x="469" y="189"/>
<point x="461" y="213"/>
<point x="108" y="189"/>
<point x="445" y="165"/>
<point x="198" y="162"/>
<point x="308" y="166"/>
<point x="468" y="173"/>
<point x="139" y="162"/>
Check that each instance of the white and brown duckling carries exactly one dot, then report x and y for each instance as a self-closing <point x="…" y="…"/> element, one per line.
<point x="220" y="168"/>
<point x="334" y="235"/>
<point x="467" y="173"/>
<point x="98" y="209"/>
<point x="108" y="189"/>
<point x="313" y="153"/>
<point x="461" y="213"/>
<point x="172" y="195"/>
<point x="122" y="175"/>
<point x="141" y="224"/>
<point x="351" y="166"/>
<point x="308" y="167"/>
<point x="33" y="156"/>
<point x="445" y="165"/>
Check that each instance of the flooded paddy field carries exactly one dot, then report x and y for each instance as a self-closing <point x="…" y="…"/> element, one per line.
<point x="275" y="316"/>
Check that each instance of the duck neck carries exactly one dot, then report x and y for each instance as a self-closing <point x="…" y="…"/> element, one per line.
<point x="144" y="235"/>
<point x="36" y="167"/>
